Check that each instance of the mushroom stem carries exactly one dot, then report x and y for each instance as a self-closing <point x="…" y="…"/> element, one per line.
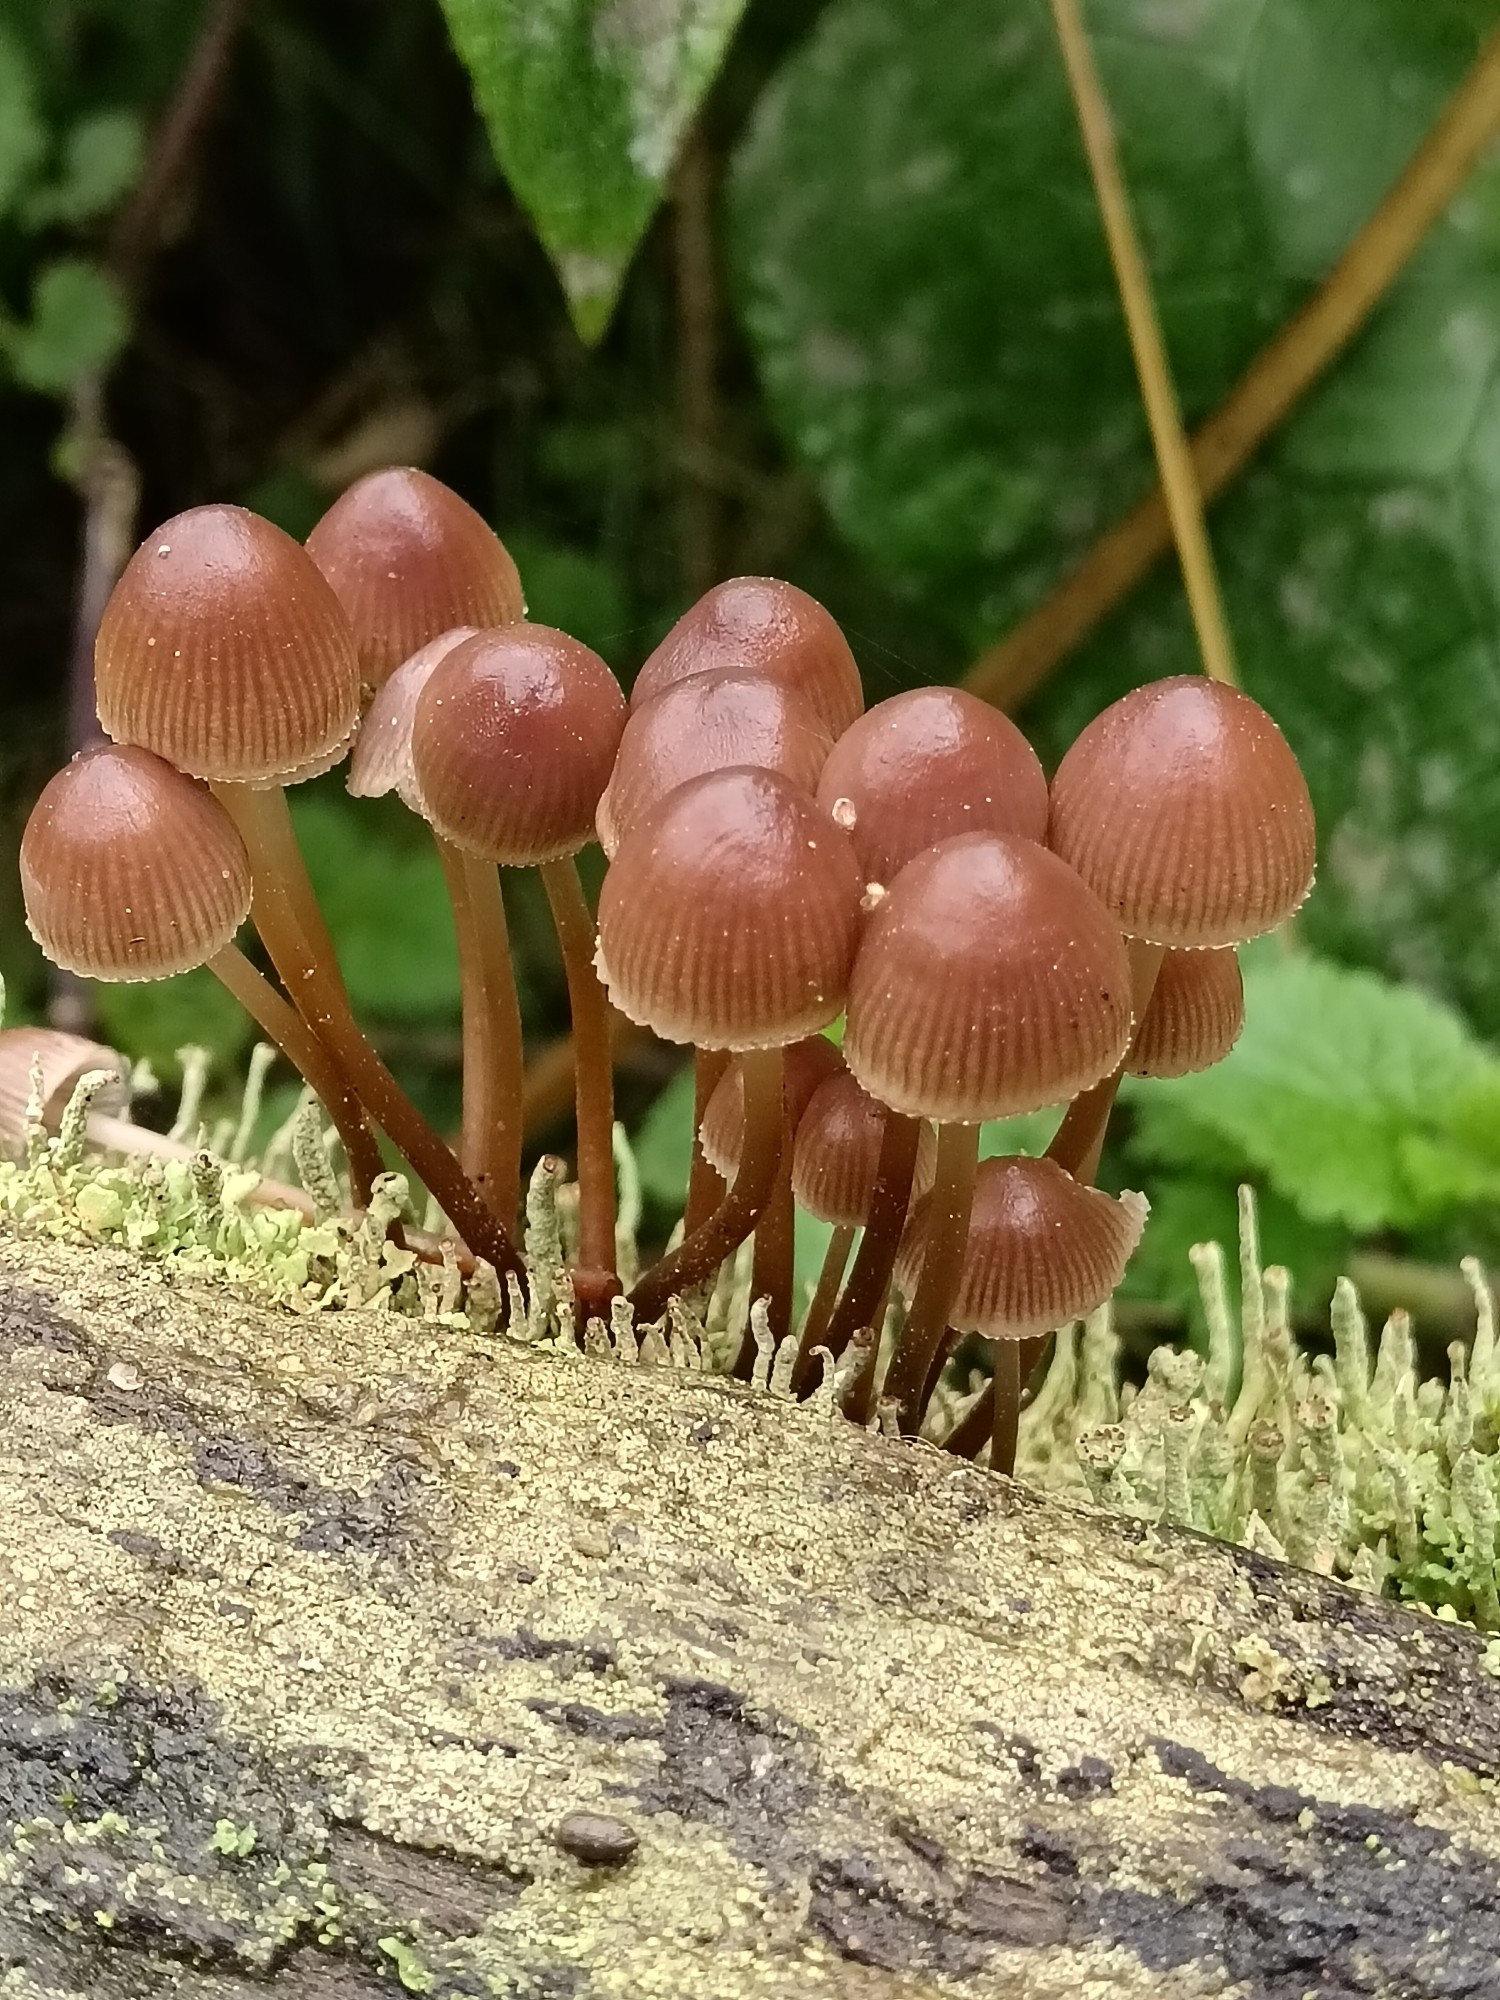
<point x="1007" y="1406"/>
<point x="820" y="1311"/>
<point x="948" y="1209"/>
<point x="871" y="1274"/>
<point x="706" y="1185"/>
<point x="771" y="1271"/>
<point x="975" y="1427"/>
<point x="1078" y="1143"/>
<point x="281" y="1022"/>
<point x="286" y="915"/>
<point x="861" y="1392"/>
<point x="494" y="1062"/>
<point x="698" y="1256"/>
<point x="593" y="1078"/>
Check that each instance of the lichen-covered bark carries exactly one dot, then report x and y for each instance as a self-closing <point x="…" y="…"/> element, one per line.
<point x="317" y="1635"/>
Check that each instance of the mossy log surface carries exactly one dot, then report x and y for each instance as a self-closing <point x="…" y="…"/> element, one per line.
<point x="315" y="1631"/>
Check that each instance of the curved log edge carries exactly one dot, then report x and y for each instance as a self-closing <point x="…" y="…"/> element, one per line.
<point x="318" y="1635"/>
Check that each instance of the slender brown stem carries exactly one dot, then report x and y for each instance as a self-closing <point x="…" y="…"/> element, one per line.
<point x="286" y="916"/>
<point x="1268" y="390"/>
<point x="942" y="1355"/>
<point x="871" y="1274"/>
<point x="706" y="1185"/>
<point x="482" y="1131"/>
<point x="1007" y="1406"/>
<point x="948" y="1209"/>
<point x="771" y="1272"/>
<point x="1078" y="1143"/>
<point x="698" y="1256"/>
<point x="976" y="1427"/>
<point x="593" y="1076"/>
<point x="860" y="1394"/>
<point x="503" y="1058"/>
<point x="830" y="1277"/>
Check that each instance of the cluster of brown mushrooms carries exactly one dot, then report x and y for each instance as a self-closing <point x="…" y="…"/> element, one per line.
<point x="779" y="857"/>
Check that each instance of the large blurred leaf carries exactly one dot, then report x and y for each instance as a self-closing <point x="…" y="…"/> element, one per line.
<point x="78" y="324"/>
<point x="23" y="136"/>
<point x="924" y="278"/>
<point x="102" y="157"/>
<point x="586" y="102"/>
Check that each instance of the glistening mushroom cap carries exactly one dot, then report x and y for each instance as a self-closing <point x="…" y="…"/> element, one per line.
<point x="223" y="650"/>
<point x="757" y="624"/>
<point x="1186" y="813"/>
<point x="806" y="1064"/>
<point x="1194" y="1016"/>
<point x="129" y="870"/>
<point x="729" y="917"/>
<point x="381" y="761"/>
<point x="1042" y="1250"/>
<point x="836" y="1157"/>
<point x="512" y="742"/>
<point x="709" y="722"/>
<point x="924" y="766"/>
<point x="409" y="560"/>
<point x="989" y="981"/>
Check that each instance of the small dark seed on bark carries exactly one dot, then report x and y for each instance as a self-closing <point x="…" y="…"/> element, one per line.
<point x="597" y="1838"/>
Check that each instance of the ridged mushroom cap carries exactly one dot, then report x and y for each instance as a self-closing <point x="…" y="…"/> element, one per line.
<point x="836" y="1157"/>
<point x="729" y="917"/>
<point x="1186" y="813"/>
<point x="223" y="650"/>
<point x="129" y="870"/>
<point x="512" y="743"/>
<point x="924" y="766"/>
<point x="409" y="560"/>
<point x="381" y="759"/>
<point x="805" y="1065"/>
<point x="1194" y="1016"/>
<point x="989" y="981"/>
<point x="709" y="722"/>
<point x="757" y="624"/>
<point x="1042" y="1249"/>
<point x="64" y="1061"/>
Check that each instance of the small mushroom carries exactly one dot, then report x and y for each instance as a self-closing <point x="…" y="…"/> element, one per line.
<point x="1194" y="1016"/>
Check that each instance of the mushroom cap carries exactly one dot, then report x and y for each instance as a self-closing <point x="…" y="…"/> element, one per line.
<point x="836" y="1157"/>
<point x="990" y="981"/>
<point x="805" y="1065"/>
<point x="1042" y="1249"/>
<point x="926" y="765"/>
<point x="708" y="723"/>
<point x="381" y="760"/>
<point x="129" y="870"/>
<point x="729" y="917"/>
<point x="512" y="743"/>
<point x="757" y="624"/>
<point x="64" y="1061"/>
<point x="1186" y="813"/>
<point x="1194" y="1016"/>
<point x="409" y="560"/>
<point x="223" y="650"/>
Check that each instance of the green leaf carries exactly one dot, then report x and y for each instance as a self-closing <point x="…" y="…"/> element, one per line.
<point x="155" y="1018"/>
<point x="77" y="326"/>
<point x="577" y="590"/>
<point x="664" y="1144"/>
<point x="924" y="279"/>
<point x="101" y="158"/>
<point x="586" y="102"/>
<point x="23" y="136"/>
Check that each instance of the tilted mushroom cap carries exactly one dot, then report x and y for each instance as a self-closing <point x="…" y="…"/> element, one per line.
<point x="730" y="915"/>
<point x="381" y="761"/>
<point x="1185" y="811"/>
<point x="989" y="981"/>
<point x="129" y="870"/>
<point x="806" y="1064"/>
<point x="708" y="723"/>
<point x="1194" y="1016"/>
<point x="926" y="765"/>
<point x="757" y="624"/>
<point x="64" y="1061"/>
<point x="512" y="743"/>
<point x="409" y="560"/>
<point x="836" y="1157"/>
<point x="223" y="650"/>
<point x="1042" y="1249"/>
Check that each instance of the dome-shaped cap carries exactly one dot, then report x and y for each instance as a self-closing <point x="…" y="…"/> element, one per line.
<point x="1042" y="1250"/>
<point x="924" y="766"/>
<point x="990" y="981"/>
<point x="1194" y="1016"/>
<point x="729" y="917"/>
<point x="409" y="560"/>
<point x="223" y="650"/>
<point x="64" y="1060"/>
<point x="836" y="1157"/>
<point x="129" y="870"/>
<point x="512" y="743"/>
<point x="757" y="624"/>
<point x="1186" y="813"/>
<point x="805" y="1065"/>
<point x="381" y="761"/>
<point x="709" y="722"/>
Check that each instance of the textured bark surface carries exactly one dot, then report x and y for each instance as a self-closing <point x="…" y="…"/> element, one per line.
<point x="317" y="1634"/>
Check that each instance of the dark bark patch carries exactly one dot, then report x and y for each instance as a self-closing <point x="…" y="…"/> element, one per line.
<point x="31" y="1319"/>
<point x="581" y="1720"/>
<point x="445" y="1894"/>
<point x="596" y="1655"/>
<point x="748" y="1775"/>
